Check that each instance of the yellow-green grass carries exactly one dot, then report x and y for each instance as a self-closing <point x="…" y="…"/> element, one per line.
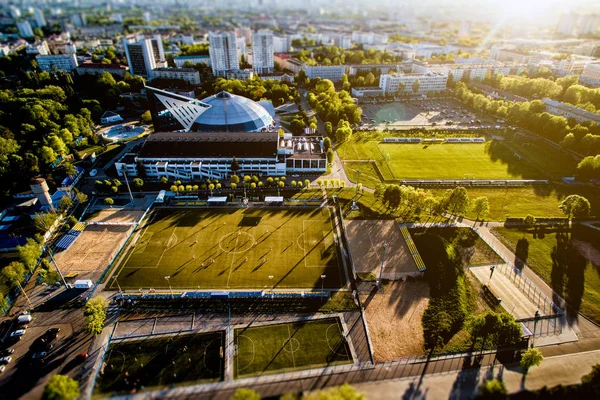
<point x="576" y="278"/>
<point x="162" y="362"/>
<point x="233" y="249"/>
<point x="539" y="201"/>
<point x="289" y="347"/>
<point x="490" y="160"/>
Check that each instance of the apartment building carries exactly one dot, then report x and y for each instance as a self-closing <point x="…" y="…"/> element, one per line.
<point x="262" y="52"/>
<point x="144" y="54"/>
<point x="405" y="82"/>
<point x="60" y="62"/>
<point x="189" y="75"/>
<point x="223" y="53"/>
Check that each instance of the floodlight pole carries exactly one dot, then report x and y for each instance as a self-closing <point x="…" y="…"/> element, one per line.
<point x="58" y="269"/>
<point x="385" y="246"/>
<point x="168" y="278"/>
<point x="272" y="286"/>
<point x="119" y="286"/>
<point x="127" y="183"/>
<point x="357" y="182"/>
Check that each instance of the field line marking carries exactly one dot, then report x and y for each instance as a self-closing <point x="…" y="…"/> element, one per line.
<point x="233" y="257"/>
<point x="165" y="248"/>
<point x="291" y="346"/>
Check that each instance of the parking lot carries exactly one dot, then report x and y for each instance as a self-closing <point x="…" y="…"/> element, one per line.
<point x="427" y="113"/>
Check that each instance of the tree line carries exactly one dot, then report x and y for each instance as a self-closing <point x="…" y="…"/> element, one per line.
<point x="333" y="55"/>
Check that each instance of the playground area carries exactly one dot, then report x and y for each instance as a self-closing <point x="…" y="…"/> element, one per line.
<point x="260" y="249"/>
<point x="119" y="133"/>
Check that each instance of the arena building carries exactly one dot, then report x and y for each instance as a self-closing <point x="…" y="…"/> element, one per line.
<point x="223" y="112"/>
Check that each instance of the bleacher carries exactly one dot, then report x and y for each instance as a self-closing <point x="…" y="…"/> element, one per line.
<point x="402" y="140"/>
<point x="69" y="238"/>
<point x="465" y="140"/>
<point x="412" y="248"/>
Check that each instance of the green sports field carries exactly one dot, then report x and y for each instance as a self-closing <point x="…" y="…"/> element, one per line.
<point x="233" y="249"/>
<point x="162" y="362"/>
<point x="288" y="347"/>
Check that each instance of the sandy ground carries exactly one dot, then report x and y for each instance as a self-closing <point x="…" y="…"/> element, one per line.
<point x="117" y="215"/>
<point x="366" y="240"/>
<point x="394" y="318"/>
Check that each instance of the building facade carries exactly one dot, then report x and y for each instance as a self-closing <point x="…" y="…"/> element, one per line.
<point x="405" y="83"/>
<point x="332" y="72"/>
<point x="189" y="75"/>
<point x="282" y="44"/>
<point x="343" y="41"/>
<point x="569" y="111"/>
<point x="25" y="29"/>
<point x="223" y="53"/>
<point x="591" y="72"/>
<point x="61" y="62"/>
<point x="144" y="54"/>
<point x="99" y="68"/>
<point x="262" y="52"/>
<point x="38" y="15"/>
<point x="180" y="61"/>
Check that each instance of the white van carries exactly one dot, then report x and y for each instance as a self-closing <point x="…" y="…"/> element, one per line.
<point x="24" y="319"/>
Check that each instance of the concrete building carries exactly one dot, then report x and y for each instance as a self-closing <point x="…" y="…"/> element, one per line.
<point x="78" y="19"/>
<point x="464" y="28"/>
<point x="366" y="91"/>
<point x="197" y="156"/>
<point x="110" y="117"/>
<point x="61" y="62"/>
<point x="332" y="72"/>
<point x="569" y="111"/>
<point x="25" y="29"/>
<point x="180" y="61"/>
<point x="591" y="72"/>
<point x="98" y="68"/>
<point x="510" y="55"/>
<point x="223" y="53"/>
<point x="278" y="76"/>
<point x="588" y="24"/>
<point x="403" y="82"/>
<point x="144" y="54"/>
<point x="282" y="44"/>
<point x="369" y="38"/>
<point x="240" y="74"/>
<point x="14" y="11"/>
<point x="189" y="75"/>
<point x="262" y="52"/>
<point x="566" y="23"/>
<point x="40" y="47"/>
<point x="243" y="32"/>
<point x="343" y="41"/>
<point x="375" y="68"/>
<point x="38" y="15"/>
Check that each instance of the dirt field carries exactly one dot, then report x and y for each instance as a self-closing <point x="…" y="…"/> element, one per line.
<point x="366" y="240"/>
<point x="117" y="215"/>
<point x="91" y="253"/>
<point x="394" y="318"/>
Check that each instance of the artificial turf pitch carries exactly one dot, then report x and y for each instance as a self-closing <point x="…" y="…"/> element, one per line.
<point x="161" y="362"/>
<point x="233" y="249"/>
<point x="288" y="347"/>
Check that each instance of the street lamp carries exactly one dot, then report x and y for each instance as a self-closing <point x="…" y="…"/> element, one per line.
<point x="272" y="286"/>
<point x="385" y="246"/>
<point x="168" y="278"/>
<point x="119" y="286"/>
<point x="322" y="279"/>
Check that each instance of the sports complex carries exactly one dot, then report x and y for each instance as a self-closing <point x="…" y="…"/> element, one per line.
<point x="231" y="248"/>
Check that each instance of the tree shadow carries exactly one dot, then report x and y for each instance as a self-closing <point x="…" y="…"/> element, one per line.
<point x="568" y="271"/>
<point x="521" y="253"/>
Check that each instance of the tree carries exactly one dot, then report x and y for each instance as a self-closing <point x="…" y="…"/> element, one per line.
<point x="138" y="183"/>
<point x="146" y="117"/>
<point x="235" y="166"/>
<point x="330" y="156"/>
<point x="245" y="394"/>
<point x="29" y="253"/>
<point x="327" y="143"/>
<point x="81" y="197"/>
<point x="328" y="128"/>
<point x="344" y="392"/>
<point x="65" y="203"/>
<point x="494" y="329"/>
<point x="532" y="357"/>
<point x="108" y="201"/>
<point x="481" y="206"/>
<point x="164" y="179"/>
<point x="306" y="183"/>
<point x="173" y="188"/>
<point x="493" y="389"/>
<point x="281" y="184"/>
<point x="575" y="206"/>
<point x="14" y="273"/>
<point x="529" y="221"/>
<point x="61" y="387"/>
<point x="415" y="86"/>
<point x="44" y="221"/>
<point x="95" y="314"/>
<point x="459" y="201"/>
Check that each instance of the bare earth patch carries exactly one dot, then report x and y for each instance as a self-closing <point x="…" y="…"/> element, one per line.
<point x="587" y="250"/>
<point x="394" y="318"/>
<point x="117" y="215"/>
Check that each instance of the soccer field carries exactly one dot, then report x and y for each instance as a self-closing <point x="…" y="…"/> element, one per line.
<point x="289" y="347"/>
<point x="233" y="249"/>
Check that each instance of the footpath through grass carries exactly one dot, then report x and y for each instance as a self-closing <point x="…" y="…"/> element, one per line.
<point x="568" y="261"/>
<point x="289" y="347"/>
<point x="162" y="362"/>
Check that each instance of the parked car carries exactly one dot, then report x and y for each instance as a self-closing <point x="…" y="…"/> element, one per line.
<point x="6" y="352"/>
<point x="2" y="368"/>
<point x="5" y="360"/>
<point x="18" y="333"/>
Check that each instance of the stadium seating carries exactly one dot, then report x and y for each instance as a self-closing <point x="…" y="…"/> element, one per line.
<point x="412" y="248"/>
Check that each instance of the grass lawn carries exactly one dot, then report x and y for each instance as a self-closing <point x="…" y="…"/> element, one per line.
<point x="571" y="267"/>
<point x="491" y="160"/>
<point x="540" y="201"/>
<point x="289" y="347"/>
<point x="162" y="362"/>
<point x="251" y="248"/>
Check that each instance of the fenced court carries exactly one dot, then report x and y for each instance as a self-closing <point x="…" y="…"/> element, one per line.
<point x="366" y="240"/>
<point x="233" y="249"/>
<point x="132" y="365"/>
<point x="288" y="347"/>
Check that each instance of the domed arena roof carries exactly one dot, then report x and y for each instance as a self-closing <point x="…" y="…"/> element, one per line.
<point x="232" y="113"/>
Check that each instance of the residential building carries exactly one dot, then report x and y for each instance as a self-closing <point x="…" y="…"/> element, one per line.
<point x="510" y="55"/>
<point x="332" y="72"/>
<point x="588" y="24"/>
<point x="278" y="76"/>
<point x="14" y="11"/>
<point x="78" y="19"/>
<point x="427" y="82"/>
<point x="98" y="68"/>
<point x="196" y="156"/>
<point x="144" y="54"/>
<point x="40" y="47"/>
<point x="576" y="64"/>
<point x="25" y="29"/>
<point x="282" y="44"/>
<point x="180" y="61"/>
<point x="243" y="32"/>
<point x="110" y="117"/>
<point x="60" y="62"/>
<point x="367" y="91"/>
<point x="38" y="15"/>
<point x="223" y="52"/>
<point x="189" y="75"/>
<point x="569" y="111"/>
<point x="285" y="61"/>
<point x="262" y="52"/>
<point x="591" y="72"/>
<point x="566" y="23"/>
<point x="369" y="38"/>
<point x="240" y="46"/>
<point x="375" y="68"/>
<point x="464" y="28"/>
<point x="343" y="41"/>
<point x="240" y="74"/>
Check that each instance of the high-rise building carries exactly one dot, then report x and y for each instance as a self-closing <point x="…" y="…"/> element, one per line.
<point x="39" y="17"/>
<point x="262" y="52"/>
<point x="343" y="41"/>
<point x="465" y="28"/>
<point x="14" y="11"/>
<point x="588" y="24"/>
<point x="25" y="30"/>
<point x="243" y="32"/>
<point x="144" y="54"/>
<point x="223" y="52"/>
<point x="282" y="44"/>
<point x="567" y="23"/>
<point x="78" y="19"/>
